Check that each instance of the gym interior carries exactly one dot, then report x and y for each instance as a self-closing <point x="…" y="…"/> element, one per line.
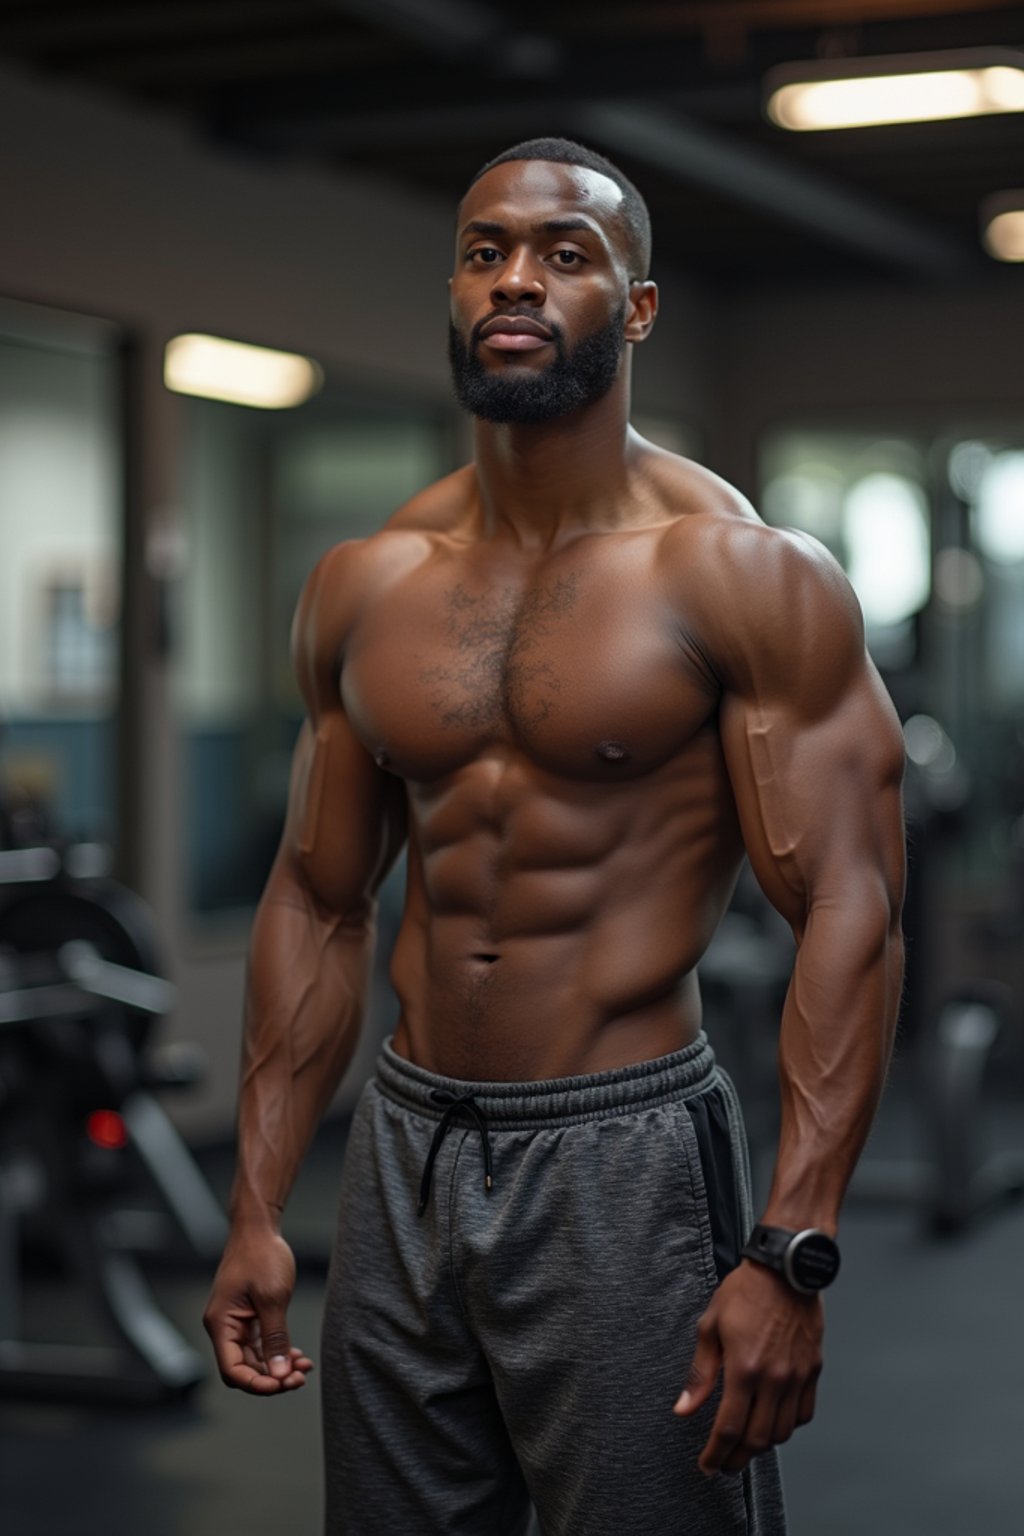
<point x="840" y="337"/>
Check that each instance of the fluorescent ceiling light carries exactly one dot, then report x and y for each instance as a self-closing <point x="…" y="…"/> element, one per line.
<point x="866" y="92"/>
<point x="1002" y="221"/>
<point x="244" y="375"/>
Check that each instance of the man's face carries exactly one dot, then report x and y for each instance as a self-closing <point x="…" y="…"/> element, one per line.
<point x="539" y="292"/>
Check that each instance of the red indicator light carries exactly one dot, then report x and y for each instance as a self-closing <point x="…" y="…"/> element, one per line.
<point x="106" y="1129"/>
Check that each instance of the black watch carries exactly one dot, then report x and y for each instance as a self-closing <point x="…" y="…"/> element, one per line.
<point x="809" y="1260"/>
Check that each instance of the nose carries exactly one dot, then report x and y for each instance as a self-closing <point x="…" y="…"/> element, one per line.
<point x="519" y="280"/>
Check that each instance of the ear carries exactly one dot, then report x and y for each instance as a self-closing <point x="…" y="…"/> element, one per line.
<point x="642" y="309"/>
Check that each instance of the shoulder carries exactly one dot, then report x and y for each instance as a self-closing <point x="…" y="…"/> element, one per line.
<point x="762" y="600"/>
<point x="350" y="575"/>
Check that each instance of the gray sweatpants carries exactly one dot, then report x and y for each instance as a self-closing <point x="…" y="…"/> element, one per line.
<point x="525" y="1343"/>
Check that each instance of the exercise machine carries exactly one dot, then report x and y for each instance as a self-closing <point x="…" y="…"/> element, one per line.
<point x="82" y="1135"/>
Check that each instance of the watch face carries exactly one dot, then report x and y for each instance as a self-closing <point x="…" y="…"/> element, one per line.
<point x="812" y="1261"/>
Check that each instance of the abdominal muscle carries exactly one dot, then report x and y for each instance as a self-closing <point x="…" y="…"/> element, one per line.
<point x="510" y="968"/>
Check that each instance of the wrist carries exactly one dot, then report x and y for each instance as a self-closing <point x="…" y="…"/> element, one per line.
<point x="255" y="1216"/>
<point x="798" y="1216"/>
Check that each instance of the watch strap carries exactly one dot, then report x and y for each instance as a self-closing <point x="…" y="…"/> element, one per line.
<point x="768" y="1245"/>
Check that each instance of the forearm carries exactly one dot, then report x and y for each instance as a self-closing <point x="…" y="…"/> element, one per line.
<point x="307" y="982"/>
<point x="835" y="1044"/>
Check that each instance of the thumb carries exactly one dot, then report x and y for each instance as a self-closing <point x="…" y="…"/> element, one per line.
<point x="275" y="1340"/>
<point x="707" y="1362"/>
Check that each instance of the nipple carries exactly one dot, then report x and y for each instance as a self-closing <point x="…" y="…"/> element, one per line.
<point x="612" y="751"/>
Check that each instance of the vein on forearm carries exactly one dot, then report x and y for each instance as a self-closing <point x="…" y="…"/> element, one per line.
<point x="306" y="981"/>
<point x="834" y="1045"/>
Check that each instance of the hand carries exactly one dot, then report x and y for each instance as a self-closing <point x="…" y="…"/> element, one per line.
<point x="246" y="1316"/>
<point x="766" y="1338"/>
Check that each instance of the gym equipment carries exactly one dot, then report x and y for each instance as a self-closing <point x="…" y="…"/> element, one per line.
<point x="953" y="1039"/>
<point x="958" y="1179"/>
<point x="80" y="1130"/>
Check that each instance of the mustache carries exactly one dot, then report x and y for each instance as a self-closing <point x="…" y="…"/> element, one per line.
<point x="516" y="314"/>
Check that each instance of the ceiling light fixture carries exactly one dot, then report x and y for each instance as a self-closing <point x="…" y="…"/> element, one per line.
<point x="239" y="373"/>
<point x="1002" y="225"/>
<point x="905" y="88"/>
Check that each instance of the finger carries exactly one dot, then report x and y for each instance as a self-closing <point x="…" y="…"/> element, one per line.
<point x="764" y="1425"/>
<point x="235" y="1362"/>
<point x="253" y="1354"/>
<point x="707" y="1362"/>
<point x="296" y="1376"/>
<point x="275" y="1344"/>
<point x="256" y="1381"/>
<point x="232" y="1353"/>
<point x="729" y="1427"/>
<point x="806" y="1402"/>
<point x="787" y="1417"/>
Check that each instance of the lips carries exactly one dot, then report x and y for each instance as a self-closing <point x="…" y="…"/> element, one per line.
<point x="514" y="333"/>
<point x="515" y="325"/>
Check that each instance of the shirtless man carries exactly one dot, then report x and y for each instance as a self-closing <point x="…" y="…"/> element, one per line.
<point x="581" y="678"/>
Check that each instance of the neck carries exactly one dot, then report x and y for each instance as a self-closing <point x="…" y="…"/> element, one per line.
<point x="539" y="483"/>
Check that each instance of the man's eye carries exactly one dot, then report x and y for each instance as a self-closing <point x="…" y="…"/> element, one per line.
<point x="487" y="254"/>
<point x="568" y="258"/>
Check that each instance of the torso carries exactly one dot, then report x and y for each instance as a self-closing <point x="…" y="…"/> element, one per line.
<point x="573" y="839"/>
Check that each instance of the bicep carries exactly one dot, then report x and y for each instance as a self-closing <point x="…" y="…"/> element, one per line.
<point x="346" y="819"/>
<point x="818" y="790"/>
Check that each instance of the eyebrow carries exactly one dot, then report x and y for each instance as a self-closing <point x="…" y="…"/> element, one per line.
<point x="549" y="226"/>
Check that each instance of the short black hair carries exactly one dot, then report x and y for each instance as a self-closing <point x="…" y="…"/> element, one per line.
<point x="633" y="212"/>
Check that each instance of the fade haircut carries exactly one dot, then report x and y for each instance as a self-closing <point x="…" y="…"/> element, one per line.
<point x="633" y="214"/>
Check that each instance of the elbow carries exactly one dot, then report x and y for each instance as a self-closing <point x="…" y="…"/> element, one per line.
<point x="866" y="915"/>
<point x="298" y="880"/>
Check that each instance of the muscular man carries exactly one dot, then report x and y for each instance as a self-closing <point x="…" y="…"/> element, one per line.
<point x="581" y="678"/>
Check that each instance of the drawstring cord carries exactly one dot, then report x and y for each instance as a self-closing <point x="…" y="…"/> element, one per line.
<point x="467" y="1102"/>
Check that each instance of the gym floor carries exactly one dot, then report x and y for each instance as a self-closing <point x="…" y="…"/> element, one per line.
<point x="918" y="1430"/>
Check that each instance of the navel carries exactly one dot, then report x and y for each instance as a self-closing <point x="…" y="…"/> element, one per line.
<point x="612" y="751"/>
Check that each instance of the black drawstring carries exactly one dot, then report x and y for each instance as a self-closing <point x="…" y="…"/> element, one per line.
<point x="455" y="1103"/>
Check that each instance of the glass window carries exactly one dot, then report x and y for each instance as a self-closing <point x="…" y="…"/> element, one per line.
<point x="982" y="603"/>
<point x="865" y="497"/>
<point x="930" y="529"/>
<point x="266" y="494"/>
<point x="61" y="510"/>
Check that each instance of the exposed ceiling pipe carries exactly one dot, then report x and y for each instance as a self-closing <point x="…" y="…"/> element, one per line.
<point x="691" y="152"/>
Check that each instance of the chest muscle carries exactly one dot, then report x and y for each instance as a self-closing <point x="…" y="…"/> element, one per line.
<point x="579" y="667"/>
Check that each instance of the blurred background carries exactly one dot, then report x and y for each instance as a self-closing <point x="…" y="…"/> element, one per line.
<point x="837" y="194"/>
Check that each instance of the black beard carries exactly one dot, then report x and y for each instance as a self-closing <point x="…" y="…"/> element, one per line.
<point x="574" y="379"/>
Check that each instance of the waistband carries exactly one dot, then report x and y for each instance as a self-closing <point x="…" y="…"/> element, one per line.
<point x="551" y="1101"/>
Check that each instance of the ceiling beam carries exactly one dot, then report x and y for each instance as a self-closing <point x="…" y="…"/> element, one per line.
<point x="175" y="22"/>
<point x="396" y="129"/>
<point x="445" y="27"/>
<point x="688" y="152"/>
<point x="793" y="194"/>
<point x="770" y="15"/>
